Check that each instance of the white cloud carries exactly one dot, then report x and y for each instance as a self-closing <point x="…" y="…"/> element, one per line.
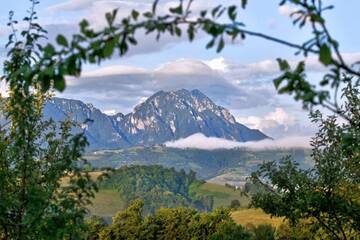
<point x="3" y="89"/>
<point x="114" y="70"/>
<point x="110" y="112"/>
<point x="3" y="31"/>
<point x="268" y="68"/>
<point x="71" y="5"/>
<point x="199" y="141"/>
<point x="286" y="10"/>
<point x="109" y="83"/>
<point x="279" y="117"/>
<point x="218" y="64"/>
<point x="185" y="67"/>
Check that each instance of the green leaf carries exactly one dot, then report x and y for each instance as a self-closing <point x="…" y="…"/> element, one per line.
<point x="191" y="32"/>
<point x="49" y="50"/>
<point x="324" y="82"/>
<point x="83" y="25"/>
<point x="178" y="31"/>
<point x="109" y="49"/>
<point x="59" y="84"/>
<point x="232" y="13"/>
<point x="221" y="45"/>
<point x="132" y="40"/>
<point x="61" y="40"/>
<point x="210" y="44"/>
<point x="45" y="82"/>
<point x="277" y="82"/>
<point x="325" y="55"/>
<point x="110" y="17"/>
<point x="216" y="10"/>
<point x="177" y="10"/>
<point x="135" y="14"/>
<point x="243" y="3"/>
<point x="148" y="14"/>
<point x="203" y="13"/>
<point x="283" y="64"/>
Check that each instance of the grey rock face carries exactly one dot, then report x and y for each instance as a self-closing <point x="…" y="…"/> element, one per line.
<point x="165" y="116"/>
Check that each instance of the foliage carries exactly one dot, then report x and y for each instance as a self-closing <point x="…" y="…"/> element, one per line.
<point x="262" y="232"/>
<point x="157" y="187"/>
<point x="174" y="223"/>
<point x="94" y="226"/>
<point x="235" y="204"/>
<point x="36" y="154"/>
<point x="303" y="230"/>
<point x="107" y="202"/>
<point x="328" y="193"/>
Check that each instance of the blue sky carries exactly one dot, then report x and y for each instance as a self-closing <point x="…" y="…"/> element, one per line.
<point x="239" y="78"/>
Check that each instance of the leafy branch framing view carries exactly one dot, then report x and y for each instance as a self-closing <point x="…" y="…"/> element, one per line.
<point x="33" y="152"/>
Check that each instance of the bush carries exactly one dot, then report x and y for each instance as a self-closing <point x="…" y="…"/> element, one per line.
<point x="262" y="232"/>
<point x="173" y="223"/>
<point x="94" y="226"/>
<point x="235" y="204"/>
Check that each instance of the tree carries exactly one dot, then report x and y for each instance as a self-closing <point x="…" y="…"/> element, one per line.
<point x="94" y="226"/>
<point x="262" y="232"/>
<point x="127" y="225"/>
<point x="303" y="230"/>
<point x="328" y="193"/>
<point x="173" y="223"/>
<point x="37" y="155"/>
<point x="157" y="187"/>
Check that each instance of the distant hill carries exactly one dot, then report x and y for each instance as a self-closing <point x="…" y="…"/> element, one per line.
<point x="206" y="163"/>
<point x="157" y="187"/>
<point x="165" y="116"/>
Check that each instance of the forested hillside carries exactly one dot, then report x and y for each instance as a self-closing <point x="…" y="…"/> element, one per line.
<point x="157" y="187"/>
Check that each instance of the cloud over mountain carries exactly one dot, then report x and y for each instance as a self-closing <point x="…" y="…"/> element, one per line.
<point x="200" y="141"/>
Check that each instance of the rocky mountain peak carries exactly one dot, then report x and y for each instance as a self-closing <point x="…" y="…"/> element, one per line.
<point x="165" y="116"/>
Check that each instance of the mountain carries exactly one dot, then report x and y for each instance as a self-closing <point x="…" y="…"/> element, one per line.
<point x="165" y="116"/>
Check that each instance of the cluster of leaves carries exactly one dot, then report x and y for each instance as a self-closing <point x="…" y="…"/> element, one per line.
<point x="328" y="193"/>
<point x="36" y="155"/>
<point x="322" y="44"/>
<point x="302" y="230"/>
<point x="157" y="187"/>
<point x="175" y="223"/>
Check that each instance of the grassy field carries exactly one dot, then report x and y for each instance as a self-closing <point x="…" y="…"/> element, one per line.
<point x="106" y="203"/>
<point x="255" y="217"/>
<point x="222" y="195"/>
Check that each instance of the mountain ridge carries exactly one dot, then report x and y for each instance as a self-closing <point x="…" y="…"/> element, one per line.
<point x="163" y="117"/>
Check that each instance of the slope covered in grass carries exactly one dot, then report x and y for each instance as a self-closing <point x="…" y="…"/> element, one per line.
<point x="255" y="217"/>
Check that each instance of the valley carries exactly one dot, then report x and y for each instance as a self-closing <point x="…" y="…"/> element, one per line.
<point x="217" y="166"/>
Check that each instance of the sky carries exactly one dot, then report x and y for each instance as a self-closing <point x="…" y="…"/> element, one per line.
<point x="239" y="78"/>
